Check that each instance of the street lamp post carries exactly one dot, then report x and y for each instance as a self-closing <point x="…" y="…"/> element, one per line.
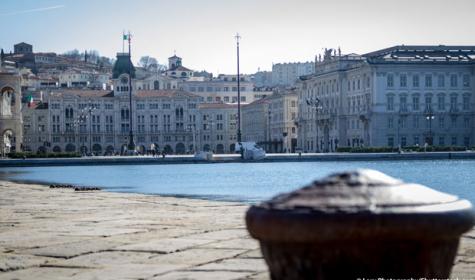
<point x="430" y="116"/>
<point x="239" y="98"/>
<point x="193" y="131"/>
<point x="210" y="124"/>
<point x="317" y="104"/>
<point x="131" y="145"/>
<point x="269" y="139"/>
<point x="85" y="114"/>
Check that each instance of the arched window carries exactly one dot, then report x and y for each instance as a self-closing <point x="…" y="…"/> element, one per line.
<point x="69" y="113"/>
<point x="156" y="85"/>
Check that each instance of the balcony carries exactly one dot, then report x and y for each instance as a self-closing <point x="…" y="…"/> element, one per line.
<point x="403" y="111"/>
<point x="454" y="111"/>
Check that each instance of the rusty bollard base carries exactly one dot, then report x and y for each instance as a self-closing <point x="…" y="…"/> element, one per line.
<point x="360" y="224"/>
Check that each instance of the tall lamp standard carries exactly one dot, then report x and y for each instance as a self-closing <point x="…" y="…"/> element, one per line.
<point x="239" y="97"/>
<point x="317" y="104"/>
<point x="88" y="110"/>
<point x="429" y="117"/>
<point x="131" y="133"/>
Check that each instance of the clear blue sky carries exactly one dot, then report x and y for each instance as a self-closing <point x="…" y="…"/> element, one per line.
<point x="202" y="31"/>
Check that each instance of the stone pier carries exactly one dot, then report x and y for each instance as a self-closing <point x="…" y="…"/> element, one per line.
<point x="62" y="234"/>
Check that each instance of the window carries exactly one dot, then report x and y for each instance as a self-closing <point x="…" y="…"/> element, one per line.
<point x="441" y="102"/>
<point x="390" y="123"/>
<point x="454" y="141"/>
<point x="441" y="122"/>
<point x="441" y="81"/>
<point x="403" y="141"/>
<point x="109" y="106"/>
<point x="416" y="140"/>
<point x="441" y="141"/>
<point x="153" y="106"/>
<point x="166" y="106"/>
<point x="453" y="103"/>
<point x="403" y="103"/>
<point x="466" y="80"/>
<point x="466" y="122"/>
<point x="415" y="121"/>
<point x="453" y="119"/>
<point x="390" y="104"/>
<point x="403" y="80"/>
<point x="453" y="80"/>
<point x="428" y="81"/>
<point x="124" y="114"/>
<point x="466" y="102"/>
<point x="390" y="141"/>
<point x="140" y="106"/>
<point x="415" y="103"/>
<point x="428" y="103"/>
<point x="415" y="81"/>
<point x="390" y="80"/>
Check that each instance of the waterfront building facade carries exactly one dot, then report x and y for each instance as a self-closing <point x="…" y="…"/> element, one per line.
<point x="399" y="96"/>
<point x="98" y="121"/>
<point x="283" y="113"/>
<point x="218" y="127"/>
<point x="255" y="122"/>
<point x="271" y="122"/>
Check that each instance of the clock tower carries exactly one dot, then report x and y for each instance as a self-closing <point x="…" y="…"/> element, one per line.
<point x="122" y="71"/>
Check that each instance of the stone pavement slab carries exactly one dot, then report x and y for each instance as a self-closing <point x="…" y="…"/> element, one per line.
<point x="164" y="246"/>
<point x="203" y="275"/>
<point x="250" y="265"/>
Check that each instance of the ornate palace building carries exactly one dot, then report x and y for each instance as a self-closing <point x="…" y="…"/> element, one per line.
<point x="399" y="96"/>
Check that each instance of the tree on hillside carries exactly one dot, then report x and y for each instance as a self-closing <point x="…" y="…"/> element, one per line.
<point x="151" y="64"/>
<point x="147" y="61"/>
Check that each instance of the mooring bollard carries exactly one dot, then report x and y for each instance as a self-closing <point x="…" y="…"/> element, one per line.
<point x="360" y="224"/>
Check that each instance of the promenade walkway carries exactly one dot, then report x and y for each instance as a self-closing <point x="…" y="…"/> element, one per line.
<point x="61" y="234"/>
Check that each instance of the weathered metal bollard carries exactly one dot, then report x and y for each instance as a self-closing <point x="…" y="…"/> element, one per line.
<point x="360" y="224"/>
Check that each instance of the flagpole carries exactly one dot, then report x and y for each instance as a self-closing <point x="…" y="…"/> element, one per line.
<point x="123" y="36"/>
